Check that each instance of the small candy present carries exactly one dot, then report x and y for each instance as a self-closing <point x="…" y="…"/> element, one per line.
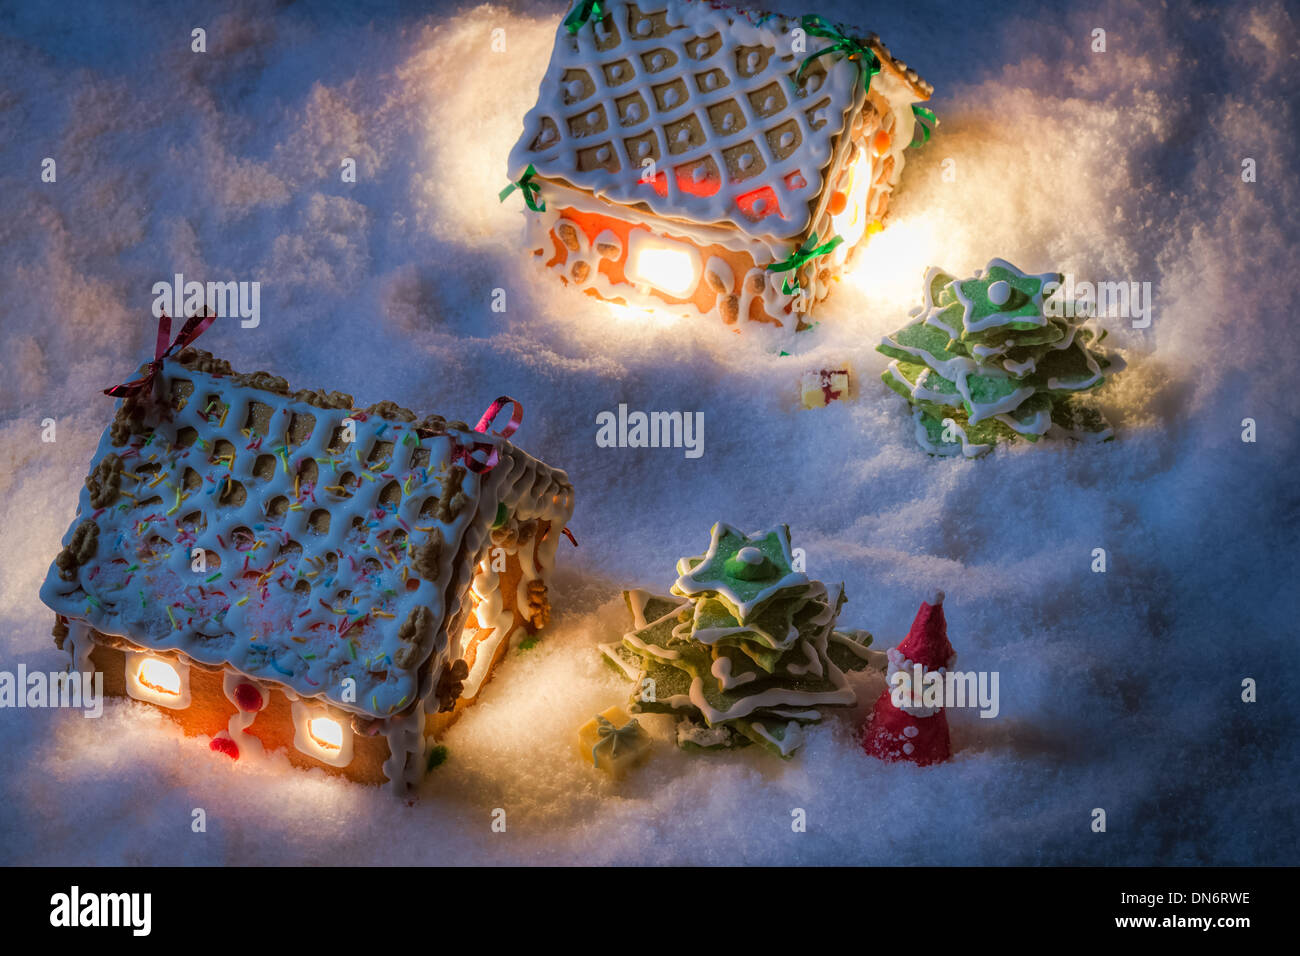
<point x="613" y="742"/>
<point x="819" y="387"/>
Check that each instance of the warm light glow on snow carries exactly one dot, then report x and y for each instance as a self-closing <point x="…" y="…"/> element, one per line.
<point x="632" y="313"/>
<point x="893" y="261"/>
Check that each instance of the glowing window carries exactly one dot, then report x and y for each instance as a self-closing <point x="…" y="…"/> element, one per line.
<point x="322" y="734"/>
<point x="157" y="681"/>
<point x="669" y="266"/>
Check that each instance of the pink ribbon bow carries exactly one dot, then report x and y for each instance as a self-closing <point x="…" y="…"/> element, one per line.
<point x="484" y="423"/>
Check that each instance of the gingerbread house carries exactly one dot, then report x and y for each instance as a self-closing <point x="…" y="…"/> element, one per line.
<point x="280" y="569"/>
<point x="689" y="155"/>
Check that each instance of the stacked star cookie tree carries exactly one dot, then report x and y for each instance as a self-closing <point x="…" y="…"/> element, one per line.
<point x="746" y="650"/>
<point x="989" y="355"/>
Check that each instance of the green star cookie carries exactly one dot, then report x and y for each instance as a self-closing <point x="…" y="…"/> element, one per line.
<point x="741" y="570"/>
<point x="1002" y="297"/>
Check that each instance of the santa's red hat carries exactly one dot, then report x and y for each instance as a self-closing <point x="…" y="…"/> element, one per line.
<point x="927" y="642"/>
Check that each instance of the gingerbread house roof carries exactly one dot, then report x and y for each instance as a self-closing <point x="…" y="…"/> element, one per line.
<point x="323" y="559"/>
<point x="709" y="94"/>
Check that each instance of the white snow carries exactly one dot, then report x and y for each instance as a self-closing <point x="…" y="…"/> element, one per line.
<point x="1119" y="690"/>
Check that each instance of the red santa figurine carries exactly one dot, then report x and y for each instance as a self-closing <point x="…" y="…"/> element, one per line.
<point x="911" y="731"/>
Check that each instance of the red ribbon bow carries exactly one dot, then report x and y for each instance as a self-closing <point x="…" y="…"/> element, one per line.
<point x="494" y="453"/>
<point x="194" y="326"/>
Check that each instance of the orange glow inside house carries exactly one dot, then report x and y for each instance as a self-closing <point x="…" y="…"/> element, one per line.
<point x="326" y="732"/>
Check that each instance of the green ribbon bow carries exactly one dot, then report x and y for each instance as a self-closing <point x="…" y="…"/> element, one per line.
<point x="532" y="192"/>
<point x="587" y="10"/>
<point x="926" y="121"/>
<point x="842" y="43"/>
<point x="611" y="735"/>
<point x="809" y="250"/>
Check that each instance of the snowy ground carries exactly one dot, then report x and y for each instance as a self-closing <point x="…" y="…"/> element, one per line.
<point x="1119" y="690"/>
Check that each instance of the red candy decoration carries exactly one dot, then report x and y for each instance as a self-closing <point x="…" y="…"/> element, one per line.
<point x="248" y="698"/>
<point x="226" y="746"/>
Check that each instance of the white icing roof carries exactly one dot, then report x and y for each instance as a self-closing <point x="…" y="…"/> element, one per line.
<point x="313" y="546"/>
<point x="705" y="91"/>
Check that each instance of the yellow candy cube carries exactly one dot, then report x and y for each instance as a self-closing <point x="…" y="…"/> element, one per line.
<point x="612" y="741"/>
<point x="819" y="388"/>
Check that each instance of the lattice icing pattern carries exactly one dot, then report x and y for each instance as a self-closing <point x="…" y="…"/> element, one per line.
<point x="241" y="528"/>
<point x="708" y="94"/>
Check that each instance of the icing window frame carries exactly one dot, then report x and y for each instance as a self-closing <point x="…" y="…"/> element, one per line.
<point x="308" y="742"/>
<point x="149" y="690"/>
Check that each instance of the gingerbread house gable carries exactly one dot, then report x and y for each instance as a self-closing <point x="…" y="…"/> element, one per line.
<point x="686" y="121"/>
<point x="343" y="556"/>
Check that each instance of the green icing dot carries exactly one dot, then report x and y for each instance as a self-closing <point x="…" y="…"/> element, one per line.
<point x="502" y="516"/>
<point x="749" y="564"/>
